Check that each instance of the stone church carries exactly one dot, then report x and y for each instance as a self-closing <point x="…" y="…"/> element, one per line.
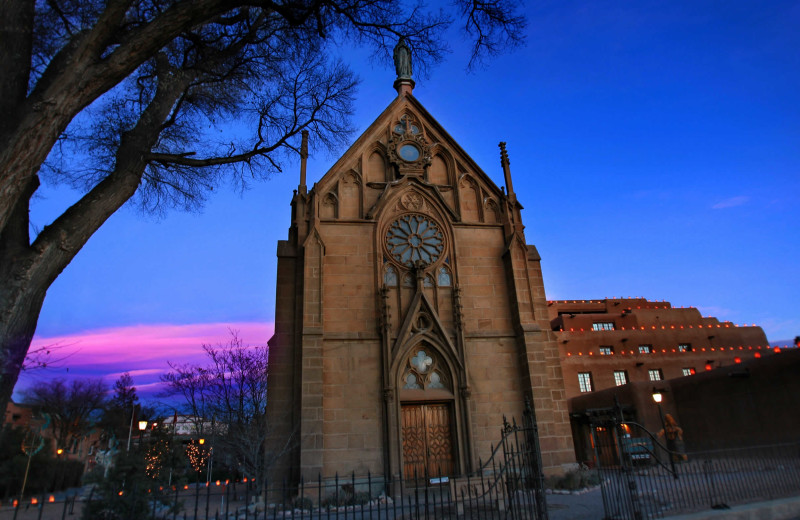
<point x="410" y="311"/>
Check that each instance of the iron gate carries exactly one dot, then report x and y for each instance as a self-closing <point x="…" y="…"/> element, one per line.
<point x="641" y="478"/>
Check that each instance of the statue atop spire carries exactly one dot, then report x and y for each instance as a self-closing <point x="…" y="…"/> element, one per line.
<point x="402" y="65"/>
<point x="402" y="59"/>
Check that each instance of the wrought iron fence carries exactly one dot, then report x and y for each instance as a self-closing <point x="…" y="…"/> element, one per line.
<point x="509" y="485"/>
<point x="643" y="479"/>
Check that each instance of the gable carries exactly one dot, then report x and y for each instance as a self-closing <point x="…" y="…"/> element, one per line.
<point x="406" y="142"/>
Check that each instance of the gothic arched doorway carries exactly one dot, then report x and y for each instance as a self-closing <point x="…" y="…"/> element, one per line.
<point x="427" y="416"/>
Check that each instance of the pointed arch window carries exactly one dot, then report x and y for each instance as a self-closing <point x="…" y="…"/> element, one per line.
<point x="390" y="276"/>
<point x="424" y="371"/>
<point x="443" y="277"/>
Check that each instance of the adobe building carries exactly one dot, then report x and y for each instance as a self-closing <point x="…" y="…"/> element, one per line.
<point x="410" y="312"/>
<point x="611" y="342"/>
<point x="734" y="406"/>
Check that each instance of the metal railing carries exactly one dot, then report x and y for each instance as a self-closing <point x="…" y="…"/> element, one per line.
<point x="509" y="485"/>
<point x="643" y="479"/>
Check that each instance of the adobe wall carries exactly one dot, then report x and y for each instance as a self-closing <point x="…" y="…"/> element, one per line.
<point x="753" y="403"/>
<point x="749" y="404"/>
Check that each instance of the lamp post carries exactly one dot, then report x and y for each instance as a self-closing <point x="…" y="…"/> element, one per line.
<point x="658" y="396"/>
<point x="58" y="481"/>
<point x="202" y="441"/>
<point x="142" y="428"/>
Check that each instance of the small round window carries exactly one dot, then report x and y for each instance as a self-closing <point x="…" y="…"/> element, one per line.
<point x="408" y="152"/>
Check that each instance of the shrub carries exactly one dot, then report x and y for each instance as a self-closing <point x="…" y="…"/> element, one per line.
<point x="579" y="478"/>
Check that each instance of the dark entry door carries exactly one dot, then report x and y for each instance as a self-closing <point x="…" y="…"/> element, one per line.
<point x="427" y="440"/>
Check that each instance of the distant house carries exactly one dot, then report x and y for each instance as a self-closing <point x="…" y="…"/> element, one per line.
<point x="189" y="426"/>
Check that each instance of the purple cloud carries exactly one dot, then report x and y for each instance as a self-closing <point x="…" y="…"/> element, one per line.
<point x="141" y="350"/>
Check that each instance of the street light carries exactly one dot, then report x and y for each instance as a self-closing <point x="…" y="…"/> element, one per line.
<point x="658" y="396"/>
<point x="56" y="483"/>
<point x="142" y="428"/>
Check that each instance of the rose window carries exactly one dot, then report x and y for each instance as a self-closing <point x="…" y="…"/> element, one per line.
<point x="414" y="238"/>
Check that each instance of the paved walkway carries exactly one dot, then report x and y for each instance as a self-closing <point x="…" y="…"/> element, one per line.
<point x="588" y="506"/>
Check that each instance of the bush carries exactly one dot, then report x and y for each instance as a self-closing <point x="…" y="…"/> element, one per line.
<point x="304" y="503"/>
<point x="346" y="496"/>
<point x="579" y="478"/>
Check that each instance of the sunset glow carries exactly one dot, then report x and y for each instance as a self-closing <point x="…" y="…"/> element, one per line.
<point x="141" y="350"/>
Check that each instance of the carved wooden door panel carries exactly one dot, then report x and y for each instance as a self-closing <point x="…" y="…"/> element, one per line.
<point x="427" y="440"/>
<point x="439" y="439"/>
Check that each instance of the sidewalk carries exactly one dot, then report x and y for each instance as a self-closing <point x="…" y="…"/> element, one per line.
<point x="587" y="506"/>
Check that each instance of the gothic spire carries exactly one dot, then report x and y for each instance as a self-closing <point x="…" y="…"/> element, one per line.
<point x="504" y="162"/>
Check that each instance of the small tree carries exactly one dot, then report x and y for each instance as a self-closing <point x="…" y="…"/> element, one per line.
<point x="73" y="407"/>
<point x="119" y="410"/>
<point x="229" y="392"/>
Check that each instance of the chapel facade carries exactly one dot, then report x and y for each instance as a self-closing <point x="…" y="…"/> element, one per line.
<point x="410" y="312"/>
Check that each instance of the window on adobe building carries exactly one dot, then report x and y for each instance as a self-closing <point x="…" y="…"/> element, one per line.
<point x="585" y="381"/>
<point x="620" y="377"/>
<point x="606" y="351"/>
<point x="603" y="325"/>
<point x="685" y="347"/>
<point x="655" y="374"/>
<point x="645" y="349"/>
<point x="688" y="371"/>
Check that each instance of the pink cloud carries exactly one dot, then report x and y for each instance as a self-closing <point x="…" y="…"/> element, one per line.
<point x="141" y="350"/>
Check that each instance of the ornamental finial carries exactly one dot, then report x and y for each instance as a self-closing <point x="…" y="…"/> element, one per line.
<point x="506" y="164"/>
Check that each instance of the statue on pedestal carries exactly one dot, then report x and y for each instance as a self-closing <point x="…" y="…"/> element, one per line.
<point x="402" y="59"/>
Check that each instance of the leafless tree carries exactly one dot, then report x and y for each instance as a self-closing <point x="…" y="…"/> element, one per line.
<point x="72" y="406"/>
<point x="141" y="99"/>
<point x="228" y="394"/>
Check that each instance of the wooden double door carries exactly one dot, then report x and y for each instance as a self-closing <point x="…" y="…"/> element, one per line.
<point x="427" y="440"/>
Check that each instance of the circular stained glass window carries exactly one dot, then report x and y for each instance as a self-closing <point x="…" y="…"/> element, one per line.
<point x="408" y="152"/>
<point x="413" y="238"/>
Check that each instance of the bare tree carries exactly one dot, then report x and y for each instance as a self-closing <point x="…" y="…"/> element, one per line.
<point x="72" y="406"/>
<point x="230" y="393"/>
<point x="128" y="98"/>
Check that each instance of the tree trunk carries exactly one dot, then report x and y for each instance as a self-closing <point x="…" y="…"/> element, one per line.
<point x="19" y="317"/>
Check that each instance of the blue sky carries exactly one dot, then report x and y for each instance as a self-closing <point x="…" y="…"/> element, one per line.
<point x="654" y="145"/>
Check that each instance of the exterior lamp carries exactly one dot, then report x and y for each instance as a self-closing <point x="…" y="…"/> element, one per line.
<point x="59" y="451"/>
<point x="658" y="396"/>
<point x="202" y="441"/>
<point x="142" y="427"/>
